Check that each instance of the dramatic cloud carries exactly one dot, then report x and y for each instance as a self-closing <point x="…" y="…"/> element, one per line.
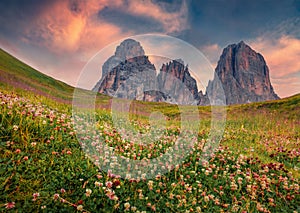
<point x="71" y="26"/>
<point x="172" y="21"/>
<point x="282" y="56"/>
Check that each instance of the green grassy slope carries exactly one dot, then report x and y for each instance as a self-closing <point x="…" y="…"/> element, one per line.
<point x="16" y="74"/>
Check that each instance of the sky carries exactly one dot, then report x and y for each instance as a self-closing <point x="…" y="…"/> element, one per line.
<point x="59" y="37"/>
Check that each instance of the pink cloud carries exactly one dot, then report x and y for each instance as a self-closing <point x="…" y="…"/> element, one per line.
<point x="282" y="57"/>
<point x="62" y="30"/>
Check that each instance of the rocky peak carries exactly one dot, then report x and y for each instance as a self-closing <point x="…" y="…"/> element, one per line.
<point x="244" y="75"/>
<point x="129" y="48"/>
<point x="242" y="72"/>
<point x="129" y="79"/>
<point x="182" y="88"/>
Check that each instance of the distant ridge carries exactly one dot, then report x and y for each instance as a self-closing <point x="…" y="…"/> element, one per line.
<point x="242" y="72"/>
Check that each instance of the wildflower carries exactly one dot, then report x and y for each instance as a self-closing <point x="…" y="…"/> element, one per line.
<point x="88" y="192"/>
<point x="62" y="190"/>
<point x="98" y="184"/>
<point x="150" y="184"/>
<point x="217" y="202"/>
<point x="110" y="194"/>
<point x="10" y="205"/>
<point x="35" y="196"/>
<point x="43" y="207"/>
<point x="109" y="184"/>
<point x="18" y="151"/>
<point x="127" y="206"/>
<point x="117" y="205"/>
<point x="249" y="188"/>
<point x="55" y="196"/>
<point x="248" y="178"/>
<point x="296" y="187"/>
<point x="263" y="184"/>
<point x="206" y="198"/>
<point x="79" y="207"/>
<point x="206" y="172"/>
<point x="25" y="158"/>
<point x="240" y="180"/>
<point x="233" y="186"/>
<point x="15" y="127"/>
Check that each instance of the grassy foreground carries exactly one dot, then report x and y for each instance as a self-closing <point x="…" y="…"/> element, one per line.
<point x="43" y="168"/>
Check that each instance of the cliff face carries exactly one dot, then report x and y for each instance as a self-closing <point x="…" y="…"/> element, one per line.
<point x="129" y="48"/>
<point x="129" y="74"/>
<point x="176" y="81"/>
<point x="244" y="75"/>
<point x="129" y="79"/>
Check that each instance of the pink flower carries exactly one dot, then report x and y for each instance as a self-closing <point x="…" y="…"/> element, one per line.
<point x="109" y="184"/>
<point x="55" y="196"/>
<point x="62" y="190"/>
<point x="35" y="196"/>
<point x="110" y="194"/>
<point x="25" y="158"/>
<point x="10" y="205"/>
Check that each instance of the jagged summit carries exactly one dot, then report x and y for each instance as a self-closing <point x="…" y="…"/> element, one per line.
<point x="129" y="48"/>
<point x="244" y="75"/>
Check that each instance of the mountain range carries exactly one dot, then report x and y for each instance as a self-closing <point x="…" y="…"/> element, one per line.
<point x="242" y="72"/>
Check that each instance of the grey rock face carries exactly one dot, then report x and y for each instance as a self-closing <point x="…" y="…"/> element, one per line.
<point x="244" y="75"/>
<point x="176" y="82"/>
<point x="129" y="48"/>
<point x="129" y="74"/>
<point x="130" y="79"/>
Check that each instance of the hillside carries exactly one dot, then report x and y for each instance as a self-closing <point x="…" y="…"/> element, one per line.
<point x="16" y="74"/>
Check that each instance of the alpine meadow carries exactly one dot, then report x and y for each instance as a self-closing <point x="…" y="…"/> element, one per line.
<point x="44" y="169"/>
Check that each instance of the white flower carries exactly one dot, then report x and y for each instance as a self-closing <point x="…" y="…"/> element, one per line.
<point x="98" y="183"/>
<point x="79" y="207"/>
<point x="127" y="205"/>
<point x="88" y="192"/>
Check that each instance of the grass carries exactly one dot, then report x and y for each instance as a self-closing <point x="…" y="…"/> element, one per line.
<point x="45" y="169"/>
